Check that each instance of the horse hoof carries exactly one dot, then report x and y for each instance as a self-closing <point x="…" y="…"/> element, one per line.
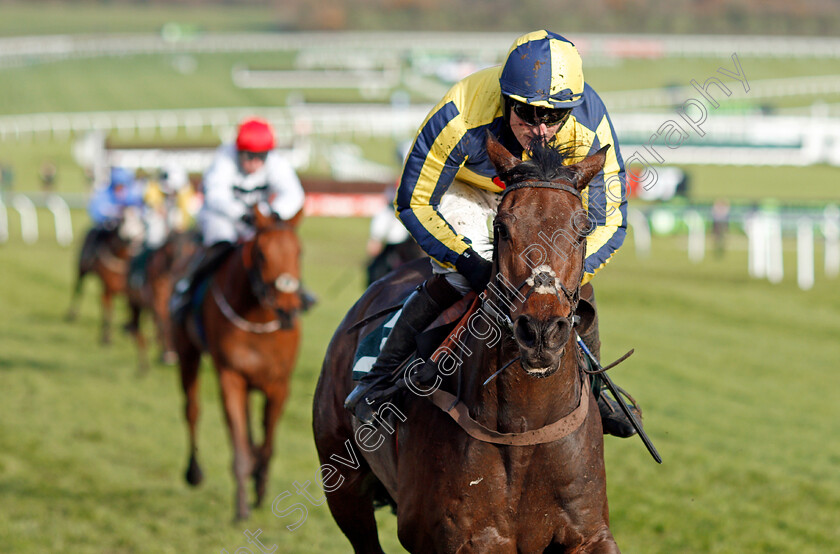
<point x="194" y="475"/>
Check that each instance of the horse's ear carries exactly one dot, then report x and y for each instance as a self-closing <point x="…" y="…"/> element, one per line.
<point x="296" y="219"/>
<point x="502" y="159"/>
<point x="590" y="167"/>
<point x="262" y="216"/>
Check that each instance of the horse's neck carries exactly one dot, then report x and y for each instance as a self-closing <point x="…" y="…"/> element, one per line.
<point x="515" y="401"/>
<point x="232" y="278"/>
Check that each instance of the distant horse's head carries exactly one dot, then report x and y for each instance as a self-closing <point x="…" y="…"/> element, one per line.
<point x="273" y="263"/>
<point x="540" y="236"/>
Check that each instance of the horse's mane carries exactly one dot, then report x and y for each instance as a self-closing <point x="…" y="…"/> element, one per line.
<point x="546" y="163"/>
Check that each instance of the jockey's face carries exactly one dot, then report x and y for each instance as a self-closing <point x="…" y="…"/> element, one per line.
<point x="526" y="132"/>
<point x="251" y="162"/>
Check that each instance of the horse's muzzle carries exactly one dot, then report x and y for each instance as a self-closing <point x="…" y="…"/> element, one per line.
<point x="541" y="343"/>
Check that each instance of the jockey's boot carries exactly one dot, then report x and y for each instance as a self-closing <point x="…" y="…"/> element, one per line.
<point x="421" y="308"/>
<point x="307" y="298"/>
<point x="200" y="266"/>
<point x="613" y="418"/>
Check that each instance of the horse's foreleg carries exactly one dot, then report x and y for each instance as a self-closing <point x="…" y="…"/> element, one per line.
<point x="160" y="310"/>
<point x="351" y="505"/>
<point x="275" y="400"/>
<point x="135" y="330"/>
<point x="602" y="542"/>
<point x="235" y="399"/>
<point x="107" y="314"/>
<point x="75" y="299"/>
<point x="189" y="360"/>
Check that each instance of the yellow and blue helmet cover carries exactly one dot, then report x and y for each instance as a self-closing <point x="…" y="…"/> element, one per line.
<point x="543" y="69"/>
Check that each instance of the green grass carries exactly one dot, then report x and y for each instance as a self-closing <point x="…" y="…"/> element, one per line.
<point x="736" y="378"/>
<point x="52" y="18"/>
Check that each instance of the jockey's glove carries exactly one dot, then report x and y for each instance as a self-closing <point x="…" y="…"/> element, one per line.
<point x="475" y="269"/>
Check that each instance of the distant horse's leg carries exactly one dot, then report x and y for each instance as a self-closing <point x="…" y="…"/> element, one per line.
<point x="73" y="310"/>
<point x="107" y="313"/>
<point x="275" y="400"/>
<point x="189" y="359"/>
<point x="135" y="330"/>
<point x="160" y="310"/>
<point x="234" y="396"/>
<point x="85" y="262"/>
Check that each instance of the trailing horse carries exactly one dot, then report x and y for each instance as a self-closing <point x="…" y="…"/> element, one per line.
<point x="499" y="448"/>
<point x="159" y="270"/>
<point x="246" y="316"/>
<point x="104" y="252"/>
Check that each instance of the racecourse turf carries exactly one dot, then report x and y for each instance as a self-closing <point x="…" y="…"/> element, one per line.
<point x="738" y="380"/>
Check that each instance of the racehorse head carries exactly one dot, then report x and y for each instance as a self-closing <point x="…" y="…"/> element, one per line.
<point x="273" y="263"/>
<point x="540" y="236"/>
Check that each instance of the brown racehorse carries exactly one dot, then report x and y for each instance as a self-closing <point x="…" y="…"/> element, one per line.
<point x="249" y="324"/>
<point x="522" y="470"/>
<point x="106" y="254"/>
<point x="162" y="268"/>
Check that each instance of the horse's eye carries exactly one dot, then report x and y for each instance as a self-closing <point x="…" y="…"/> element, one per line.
<point x="502" y="231"/>
<point x="582" y="224"/>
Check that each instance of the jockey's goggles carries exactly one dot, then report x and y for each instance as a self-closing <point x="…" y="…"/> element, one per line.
<point x="537" y="115"/>
<point x="254" y="155"/>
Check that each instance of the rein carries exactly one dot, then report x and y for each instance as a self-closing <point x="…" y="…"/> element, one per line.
<point x="240" y="322"/>
<point x="552" y="432"/>
<point x="261" y="290"/>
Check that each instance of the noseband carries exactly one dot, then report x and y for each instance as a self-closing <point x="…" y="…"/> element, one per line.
<point x="542" y="279"/>
<point x="252" y="259"/>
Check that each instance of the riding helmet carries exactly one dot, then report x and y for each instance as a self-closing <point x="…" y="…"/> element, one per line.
<point x="543" y="69"/>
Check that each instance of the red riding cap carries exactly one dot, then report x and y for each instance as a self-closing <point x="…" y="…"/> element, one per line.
<point x="255" y="135"/>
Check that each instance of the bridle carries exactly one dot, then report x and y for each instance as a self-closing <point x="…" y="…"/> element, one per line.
<point x="253" y="260"/>
<point x="452" y="405"/>
<point x="542" y="278"/>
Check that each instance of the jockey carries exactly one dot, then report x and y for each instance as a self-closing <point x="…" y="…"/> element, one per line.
<point x="241" y="175"/>
<point x="167" y="208"/>
<point x="108" y="207"/>
<point x="449" y="192"/>
<point x="108" y="204"/>
<point x="168" y="205"/>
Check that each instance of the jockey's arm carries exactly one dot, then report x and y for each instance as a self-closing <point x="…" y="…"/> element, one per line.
<point x="284" y="186"/>
<point x="430" y="168"/>
<point x="219" y="181"/>
<point x="605" y="196"/>
<point x="102" y="208"/>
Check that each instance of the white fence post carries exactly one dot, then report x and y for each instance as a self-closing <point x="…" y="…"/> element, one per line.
<point x="775" y="258"/>
<point x="28" y="218"/>
<point x="63" y="222"/>
<point x="831" y="231"/>
<point x="757" y="245"/>
<point x="641" y="232"/>
<point x="805" y="254"/>
<point x="696" y="236"/>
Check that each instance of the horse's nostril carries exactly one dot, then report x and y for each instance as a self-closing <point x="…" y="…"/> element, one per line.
<point x="525" y="331"/>
<point x="556" y="333"/>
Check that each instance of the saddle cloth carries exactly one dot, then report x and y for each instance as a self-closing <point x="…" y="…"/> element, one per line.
<point x="371" y="344"/>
